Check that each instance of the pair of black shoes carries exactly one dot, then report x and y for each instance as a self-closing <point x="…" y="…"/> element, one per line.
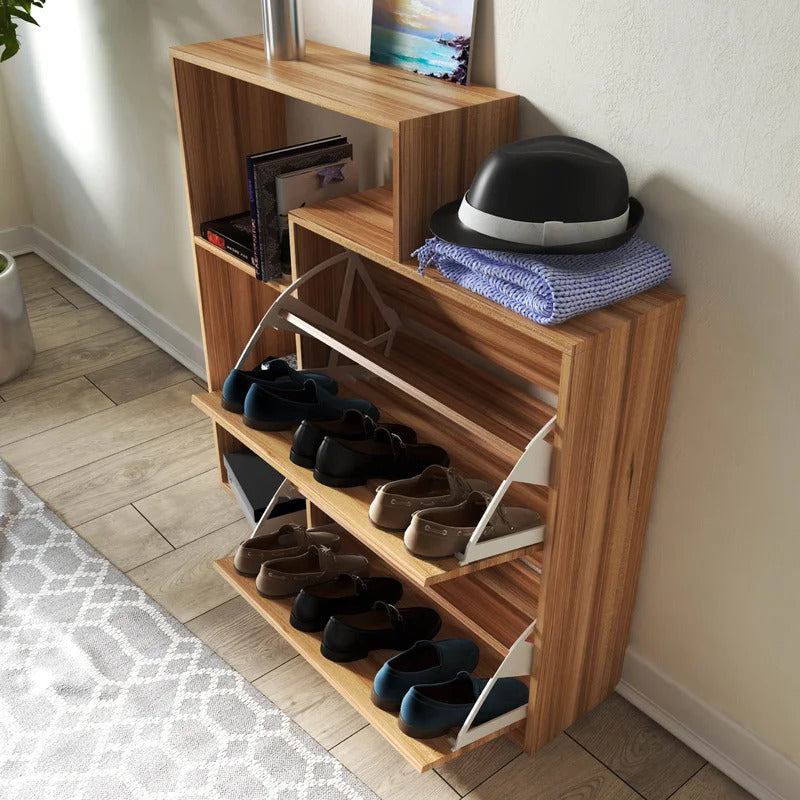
<point x="354" y="449"/>
<point x="357" y="615"/>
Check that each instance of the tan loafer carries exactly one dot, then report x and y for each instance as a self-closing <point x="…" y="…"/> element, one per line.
<point x="287" y="576"/>
<point x="442" y="532"/>
<point x="287" y="540"/>
<point x="435" y="487"/>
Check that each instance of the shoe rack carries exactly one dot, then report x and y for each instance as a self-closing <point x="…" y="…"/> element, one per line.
<point x="467" y="374"/>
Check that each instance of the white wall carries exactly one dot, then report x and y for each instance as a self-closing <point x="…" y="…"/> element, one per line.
<point x="14" y="206"/>
<point x="699" y="100"/>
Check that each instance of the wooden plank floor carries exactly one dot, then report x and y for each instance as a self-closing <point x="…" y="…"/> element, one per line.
<point x="102" y="428"/>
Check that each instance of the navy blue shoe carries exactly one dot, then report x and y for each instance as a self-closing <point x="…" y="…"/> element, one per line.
<point x="432" y="710"/>
<point x="275" y="373"/>
<point x="425" y="662"/>
<point x="273" y="408"/>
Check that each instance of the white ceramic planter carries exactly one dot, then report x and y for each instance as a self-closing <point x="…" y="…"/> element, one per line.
<point x="16" y="339"/>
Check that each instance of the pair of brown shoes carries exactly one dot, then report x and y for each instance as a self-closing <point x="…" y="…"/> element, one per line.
<point x="440" y="509"/>
<point x="292" y="557"/>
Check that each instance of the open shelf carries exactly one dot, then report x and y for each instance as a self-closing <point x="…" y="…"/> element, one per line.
<point x="278" y="285"/>
<point x="361" y="222"/>
<point x="349" y="507"/>
<point x="354" y="680"/>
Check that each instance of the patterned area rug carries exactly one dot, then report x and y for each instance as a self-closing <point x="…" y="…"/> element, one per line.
<point x="104" y="695"/>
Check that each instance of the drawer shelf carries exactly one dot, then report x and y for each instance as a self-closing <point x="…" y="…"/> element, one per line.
<point x="348" y="507"/>
<point x="354" y="680"/>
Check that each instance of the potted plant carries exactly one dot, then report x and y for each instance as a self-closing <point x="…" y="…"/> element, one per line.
<point x="16" y="339"/>
<point x="10" y="12"/>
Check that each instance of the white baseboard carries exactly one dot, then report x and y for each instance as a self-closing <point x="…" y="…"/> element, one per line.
<point x="722" y="741"/>
<point x="139" y="315"/>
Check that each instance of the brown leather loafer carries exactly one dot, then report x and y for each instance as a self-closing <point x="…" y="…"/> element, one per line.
<point x="288" y="540"/>
<point x="435" y="487"/>
<point x="287" y="576"/>
<point x="442" y="532"/>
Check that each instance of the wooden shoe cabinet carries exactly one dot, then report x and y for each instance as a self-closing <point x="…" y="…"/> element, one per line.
<point x="466" y="373"/>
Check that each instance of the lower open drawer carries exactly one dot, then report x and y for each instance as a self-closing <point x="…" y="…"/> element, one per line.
<point x="354" y="680"/>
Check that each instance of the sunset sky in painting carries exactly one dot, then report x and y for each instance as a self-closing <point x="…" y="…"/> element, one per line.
<point x="427" y="18"/>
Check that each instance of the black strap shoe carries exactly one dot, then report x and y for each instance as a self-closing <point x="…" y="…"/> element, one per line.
<point x="348" y="594"/>
<point x="385" y="456"/>
<point x="353" y="426"/>
<point x="348" y="638"/>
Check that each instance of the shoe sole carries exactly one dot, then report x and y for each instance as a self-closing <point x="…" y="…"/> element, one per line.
<point x="340" y="656"/>
<point x="301" y="461"/>
<point x="385" y="705"/>
<point x="338" y="483"/>
<point x="264" y="425"/>
<point x="234" y="408"/>
<point x="245" y="574"/>
<point x="421" y="733"/>
<point x="306" y="627"/>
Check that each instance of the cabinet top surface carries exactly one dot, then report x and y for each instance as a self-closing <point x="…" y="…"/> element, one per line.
<point x="339" y="80"/>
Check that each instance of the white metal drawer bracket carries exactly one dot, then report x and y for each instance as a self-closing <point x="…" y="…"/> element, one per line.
<point x="532" y="467"/>
<point x="518" y="662"/>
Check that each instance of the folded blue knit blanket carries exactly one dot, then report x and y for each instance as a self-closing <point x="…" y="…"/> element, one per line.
<point x="550" y="288"/>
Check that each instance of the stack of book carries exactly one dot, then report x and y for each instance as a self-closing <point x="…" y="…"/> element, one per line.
<point x="279" y="181"/>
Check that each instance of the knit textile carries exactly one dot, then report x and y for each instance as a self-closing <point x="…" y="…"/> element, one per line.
<point x="549" y="288"/>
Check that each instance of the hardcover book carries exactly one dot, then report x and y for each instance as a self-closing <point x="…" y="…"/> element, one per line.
<point x="233" y="234"/>
<point x="309" y="187"/>
<point x="429" y="37"/>
<point x="262" y="170"/>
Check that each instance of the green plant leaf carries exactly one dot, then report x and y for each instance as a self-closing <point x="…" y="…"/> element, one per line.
<point x="9" y="11"/>
<point x="23" y="15"/>
<point x="11" y="48"/>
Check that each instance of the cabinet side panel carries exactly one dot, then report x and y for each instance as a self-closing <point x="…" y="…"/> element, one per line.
<point x="231" y="305"/>
<point x="589" y="417"/>
<point x="221" y="121"/>
<point x="652" y="360"/>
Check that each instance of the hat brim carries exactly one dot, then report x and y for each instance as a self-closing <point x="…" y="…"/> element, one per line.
<point x="446" y="225"/>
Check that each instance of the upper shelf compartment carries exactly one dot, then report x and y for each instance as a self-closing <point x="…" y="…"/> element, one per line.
<point x="441" y="132"/>
<point x="339" y="80"/>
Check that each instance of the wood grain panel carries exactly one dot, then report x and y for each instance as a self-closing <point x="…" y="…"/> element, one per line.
<point x="590" y="401"/>
<point x="231" y="306"/>
<point x="651" y="364"/>
<point x="338" y="80"/>
<point x="435" y="159"/>
<point x="222" y="120"/>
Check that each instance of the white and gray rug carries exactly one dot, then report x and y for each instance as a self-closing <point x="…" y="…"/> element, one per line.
<point x="104" y="695"/>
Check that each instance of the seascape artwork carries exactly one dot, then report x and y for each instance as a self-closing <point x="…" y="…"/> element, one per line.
<point x="429" y="37"/>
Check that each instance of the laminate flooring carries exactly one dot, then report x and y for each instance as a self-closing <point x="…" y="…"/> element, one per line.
<point x="102" y="428"/>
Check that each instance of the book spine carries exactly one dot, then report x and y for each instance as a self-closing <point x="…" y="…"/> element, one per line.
<point x="251" y="191"/>
<point x="224" y="243"/>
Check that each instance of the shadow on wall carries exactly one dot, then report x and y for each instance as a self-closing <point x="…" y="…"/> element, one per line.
<point x="731" y="452"/>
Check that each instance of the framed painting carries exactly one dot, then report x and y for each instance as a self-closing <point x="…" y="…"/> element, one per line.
<point x="429" y="37"/>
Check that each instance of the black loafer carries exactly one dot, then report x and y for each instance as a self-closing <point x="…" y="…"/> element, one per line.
<point x="348" y="638"/>
<point x="353" y="426"/>
<point x="348" y="594"/>
<point x="385" y="455"/>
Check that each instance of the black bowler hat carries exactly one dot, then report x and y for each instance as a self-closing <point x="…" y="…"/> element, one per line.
<point x="550" y="194"/>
